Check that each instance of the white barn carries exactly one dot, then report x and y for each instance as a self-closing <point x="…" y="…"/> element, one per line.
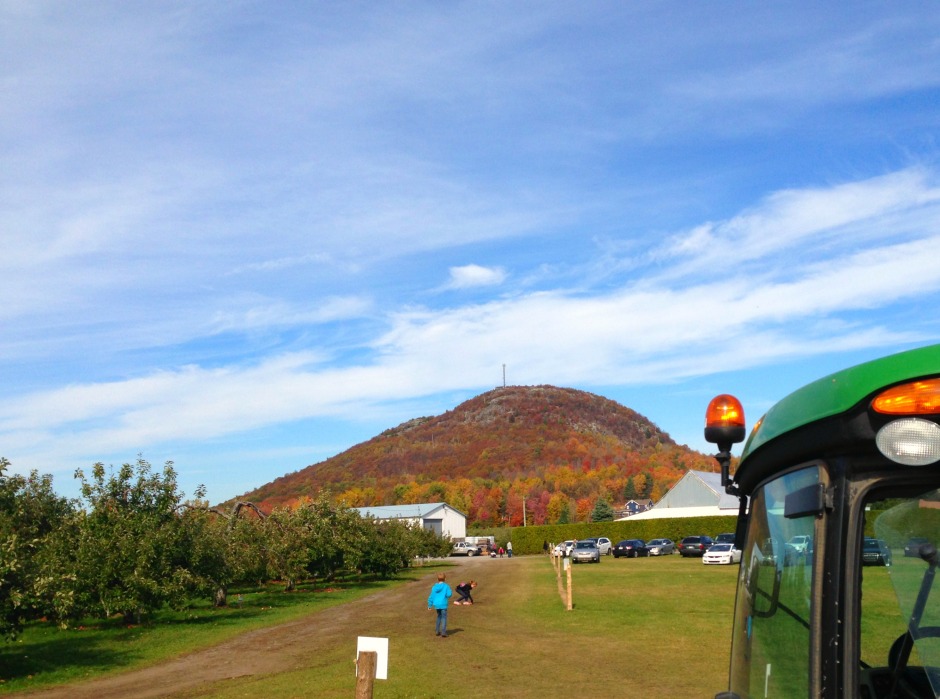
<point x="439" y="517"/>
<point x="696" y="494"/>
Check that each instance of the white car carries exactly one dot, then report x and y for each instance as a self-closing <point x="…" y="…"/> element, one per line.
<point x="564" y="548"/>
<point x="799" y="543"/>
<point x="722" y="554"/>
<point x="605" y="545"/>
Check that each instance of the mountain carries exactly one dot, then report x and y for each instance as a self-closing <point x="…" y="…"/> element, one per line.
<point x="559" y="448"/>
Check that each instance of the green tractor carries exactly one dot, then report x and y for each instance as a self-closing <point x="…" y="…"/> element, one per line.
<point x="839" y="524"/>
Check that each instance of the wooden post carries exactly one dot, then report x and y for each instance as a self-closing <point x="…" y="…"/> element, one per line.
<point x="570" y="566"/>
<point x="365" y="673"/>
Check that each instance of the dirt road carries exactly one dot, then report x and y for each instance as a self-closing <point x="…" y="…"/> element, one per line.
<point x="268" y="651"/>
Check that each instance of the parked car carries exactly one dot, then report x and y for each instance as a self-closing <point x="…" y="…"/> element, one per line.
<point x="912" y="547"/>
<point x="722" y="554"/>
<point x="799" y="543"/>
<point x="661" y="547"/>
<point x="585" y="551"/>
<point x="604" y="544"/>
<point x="726" y="538"/>
<point x="564" y="548"/>
<point x="875" y="552"/>
<point x="462" y="548"/>
<point x="631" y="548"/>
<point x="695" y="545"/>
<point x="797" y="549"/>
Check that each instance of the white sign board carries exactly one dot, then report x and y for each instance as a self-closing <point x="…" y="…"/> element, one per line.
<point x="380" y="646"/>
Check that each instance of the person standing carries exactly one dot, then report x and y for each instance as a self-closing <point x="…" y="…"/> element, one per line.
<point x="509" y="548"/>
<point x="437" y="600"/>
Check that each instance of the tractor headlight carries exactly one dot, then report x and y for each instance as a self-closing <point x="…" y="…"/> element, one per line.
<point x="911" y="441"/>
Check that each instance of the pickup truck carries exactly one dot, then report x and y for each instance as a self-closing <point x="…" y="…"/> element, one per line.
<point x="462" y="548"/>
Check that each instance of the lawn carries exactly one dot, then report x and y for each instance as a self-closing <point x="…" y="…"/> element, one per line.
<point x="658" y="627"/>
<point x="45" y="655"/>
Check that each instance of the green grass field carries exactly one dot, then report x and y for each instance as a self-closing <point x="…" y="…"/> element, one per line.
<point x="45" y="655"/>
<point x="659" y="627"/>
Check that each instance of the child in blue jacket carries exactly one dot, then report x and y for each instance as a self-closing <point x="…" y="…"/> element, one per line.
<point x="440" y="593"/>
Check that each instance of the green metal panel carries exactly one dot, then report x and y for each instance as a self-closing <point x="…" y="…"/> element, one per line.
<point x="841" y="391"/>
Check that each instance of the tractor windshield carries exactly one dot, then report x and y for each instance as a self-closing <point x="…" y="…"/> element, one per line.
<point x="771" y="644"/>
<point x="900" y="599"/>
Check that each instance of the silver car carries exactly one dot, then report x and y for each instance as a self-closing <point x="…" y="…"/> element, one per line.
<point x="661" y="547"/>
<point x="585" y="552"/>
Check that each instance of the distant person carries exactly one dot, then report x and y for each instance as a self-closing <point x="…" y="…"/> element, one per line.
<point x="464" y="589"/>
<point x="501" y="551"/>
<point x="509" y="548"/>
<point x="545" y="547"/>
<point x="437" y="600"/>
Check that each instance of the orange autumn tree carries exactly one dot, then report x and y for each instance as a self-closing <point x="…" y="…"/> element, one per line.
<point x="560" y="449"/>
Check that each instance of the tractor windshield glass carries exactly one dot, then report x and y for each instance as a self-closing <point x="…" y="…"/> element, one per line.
<point x="901" y="599"/>
<point x="771" y="642"/>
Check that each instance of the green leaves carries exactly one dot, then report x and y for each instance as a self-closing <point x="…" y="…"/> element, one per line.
<point x="133" y="545"/>
<point x="31" y="515"/>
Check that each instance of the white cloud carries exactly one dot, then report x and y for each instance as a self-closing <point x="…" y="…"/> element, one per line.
<point x="636" y="334"/>
<point x="803" y="223"/>
<point x="255" y="314"/>
<point x="219" y="220"/>
<point x="469" y="276"/>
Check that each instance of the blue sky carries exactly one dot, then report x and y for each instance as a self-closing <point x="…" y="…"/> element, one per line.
<point x="246" y="236"/>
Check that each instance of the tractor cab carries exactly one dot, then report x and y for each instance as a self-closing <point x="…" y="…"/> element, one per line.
<point x="839" y="526"/>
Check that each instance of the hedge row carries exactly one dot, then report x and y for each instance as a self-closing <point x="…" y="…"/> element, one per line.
<point x="531" y="539"/>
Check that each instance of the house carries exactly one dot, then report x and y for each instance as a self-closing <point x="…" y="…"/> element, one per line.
<point x="633" y="507"/>
<point x="439" y="517"/>
<point x="696" y="494"/>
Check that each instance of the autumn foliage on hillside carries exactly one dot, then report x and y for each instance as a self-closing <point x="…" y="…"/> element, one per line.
<point x="560" y="449"/>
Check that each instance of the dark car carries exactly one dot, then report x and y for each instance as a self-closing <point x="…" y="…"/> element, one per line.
<point x="912" y="547"/>
<point x="631" y="548"/>
<point x="875" y="552"/>
<point x="695" y="545"/>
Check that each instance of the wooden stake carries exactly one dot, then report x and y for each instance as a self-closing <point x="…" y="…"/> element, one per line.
<point x="570" y="566"/>
<point x="365" y="673"/>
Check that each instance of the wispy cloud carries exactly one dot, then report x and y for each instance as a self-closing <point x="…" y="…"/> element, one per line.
<point x="220" y="222"/>
<point x="649" y="332"/>
<point x="469" y="276"/>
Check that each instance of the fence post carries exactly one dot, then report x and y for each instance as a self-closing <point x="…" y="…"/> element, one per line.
<point x="570" y="566"/>
<point x="365" y="673"/>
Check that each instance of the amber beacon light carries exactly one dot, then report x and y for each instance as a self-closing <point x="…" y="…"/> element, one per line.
<point x="724" y="421"/>
<point x="724" y="426"/>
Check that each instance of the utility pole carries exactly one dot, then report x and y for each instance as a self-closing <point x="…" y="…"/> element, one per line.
<point x="523" y="510"/>
<point x="504" y="376"/>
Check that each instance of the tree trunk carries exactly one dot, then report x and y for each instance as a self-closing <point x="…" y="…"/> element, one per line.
<point x="132" y="617"/>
